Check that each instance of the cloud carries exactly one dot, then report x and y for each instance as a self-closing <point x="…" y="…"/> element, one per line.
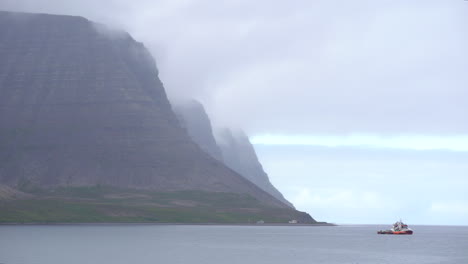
<point x="368" y="185"/>
<point x="456" y="207"/>
<point x="339" y="199"/>
<point x="306" y="66"/>
<point x="326" y="69"/>
<point x="409" y="142"/>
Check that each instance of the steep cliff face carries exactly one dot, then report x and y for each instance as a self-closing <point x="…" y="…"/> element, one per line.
<point x="239" y="155"/>
<point x="235" y="151"/>
<point x="81" y="105"/>
<point x="194" y="119"/>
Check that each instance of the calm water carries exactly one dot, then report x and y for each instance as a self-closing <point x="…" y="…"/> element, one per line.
<point x="141" y="244"/>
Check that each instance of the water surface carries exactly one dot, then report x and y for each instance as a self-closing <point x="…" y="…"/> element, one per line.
<point x="141" y="244"/>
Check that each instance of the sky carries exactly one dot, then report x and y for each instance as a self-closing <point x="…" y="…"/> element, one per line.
<point x="357" y="109"/>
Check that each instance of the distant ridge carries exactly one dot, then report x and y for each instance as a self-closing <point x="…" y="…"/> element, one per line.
<point x="195" y="120"/>
<point x="234" y="150"/>
<point x="239" y="154"/>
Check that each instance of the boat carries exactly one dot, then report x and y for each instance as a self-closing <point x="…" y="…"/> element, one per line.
<point x="399" y="228"/>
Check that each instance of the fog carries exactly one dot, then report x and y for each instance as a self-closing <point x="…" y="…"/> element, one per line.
<point x="318" y="69"/>
<point x="302" y="66"/>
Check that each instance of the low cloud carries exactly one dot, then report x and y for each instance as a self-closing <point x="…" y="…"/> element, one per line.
<point x="369" y="185"/>
<point x="395" y="67"/>
<point x="333" y="68"/>
<point x="457" y="208"/>
<point x="339" y="199"/>
<point x="404" y="142"/>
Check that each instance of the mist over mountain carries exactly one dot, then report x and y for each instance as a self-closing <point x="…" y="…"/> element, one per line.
<point x="82" y="105"/>
<point x="239" y="155"/>
<point x="198" y="125"/>
<point x="361" y="75"/>
<point x="233" y="149"/>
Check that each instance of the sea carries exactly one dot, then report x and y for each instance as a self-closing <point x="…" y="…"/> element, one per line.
<point x="220" y="244"/>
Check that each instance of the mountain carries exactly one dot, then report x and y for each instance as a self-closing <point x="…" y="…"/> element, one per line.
<point x="88" y="134"/>
<point x="83" y="105"/>
<point x="239" y="155"/>
<point x="235" y="151"/>
<point x="194" y="119"/>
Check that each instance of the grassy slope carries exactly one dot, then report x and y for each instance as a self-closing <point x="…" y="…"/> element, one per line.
<point x="106" y="204"/>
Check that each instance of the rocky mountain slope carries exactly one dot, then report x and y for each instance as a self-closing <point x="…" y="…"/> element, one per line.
<point x="235" y="150"/>
<point x="239" y="155"/>
<point x="83" y="105"/>
<point x="193" y="118"/>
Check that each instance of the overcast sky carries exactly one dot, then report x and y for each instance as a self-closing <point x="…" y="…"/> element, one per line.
<point x="333" y="93"/>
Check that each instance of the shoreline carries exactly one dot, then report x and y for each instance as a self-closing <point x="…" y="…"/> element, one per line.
<point x="151" y="223"/>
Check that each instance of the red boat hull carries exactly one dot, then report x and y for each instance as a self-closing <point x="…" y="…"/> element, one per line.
<point x="390" y="232"/>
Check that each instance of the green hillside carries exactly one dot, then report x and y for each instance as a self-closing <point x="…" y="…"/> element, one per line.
<point x="108" y="204"/>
